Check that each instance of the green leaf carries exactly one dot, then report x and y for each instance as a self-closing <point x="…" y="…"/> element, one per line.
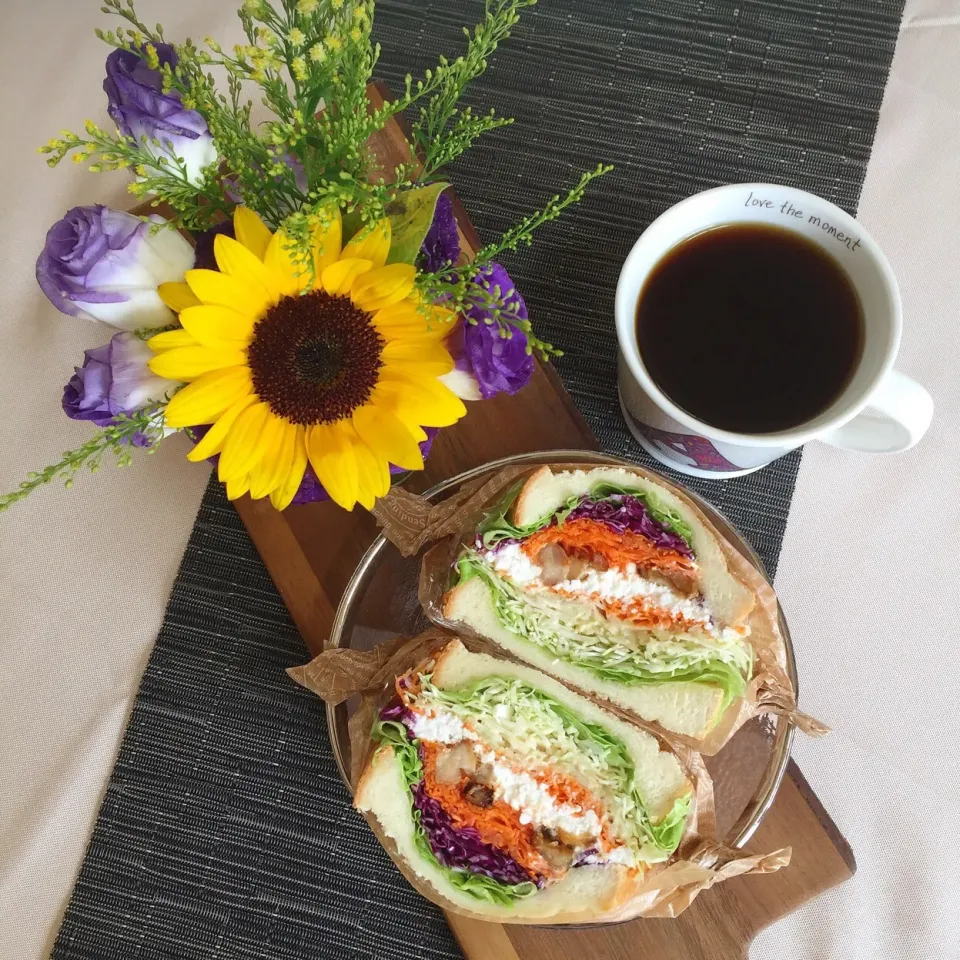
<point x="411" y="214"/>
<point x="352" y="222"/>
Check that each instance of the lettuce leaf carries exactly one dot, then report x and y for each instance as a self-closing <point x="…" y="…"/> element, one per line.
<point x="582" y="639"/>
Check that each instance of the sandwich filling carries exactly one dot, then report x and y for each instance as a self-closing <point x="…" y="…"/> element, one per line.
<point x="510" y="789"/>
<point x="609" y="583"/>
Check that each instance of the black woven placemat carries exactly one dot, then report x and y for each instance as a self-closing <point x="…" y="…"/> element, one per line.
<point x="225" y="831"/>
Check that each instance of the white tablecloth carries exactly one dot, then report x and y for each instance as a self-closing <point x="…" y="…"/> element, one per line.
<point x="867" y="562"/>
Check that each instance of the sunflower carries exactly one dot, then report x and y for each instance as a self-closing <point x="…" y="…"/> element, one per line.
<point x="343" y="376"/>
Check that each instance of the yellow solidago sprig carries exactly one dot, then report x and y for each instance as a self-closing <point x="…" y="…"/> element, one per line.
<point x="320" y="351"/>
<point x="342" y="376"/>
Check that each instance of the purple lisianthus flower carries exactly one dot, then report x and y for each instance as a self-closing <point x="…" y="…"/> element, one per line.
<point x="140" y="108"/>
<point x="442" y="242"/>
<point x="488" y="363"/>
<point x="103" y="264"/>
<point x="113" y="380"/>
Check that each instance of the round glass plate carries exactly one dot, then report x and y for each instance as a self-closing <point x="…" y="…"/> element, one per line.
<point x="380" y="603"/>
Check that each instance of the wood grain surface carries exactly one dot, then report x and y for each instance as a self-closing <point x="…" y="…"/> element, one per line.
<point x="311" y="551"/>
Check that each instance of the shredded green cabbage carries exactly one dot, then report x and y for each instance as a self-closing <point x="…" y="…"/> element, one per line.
<point x="476" y="885"/>
<point x="495" y="526"/>
<point x="574" y="633"/>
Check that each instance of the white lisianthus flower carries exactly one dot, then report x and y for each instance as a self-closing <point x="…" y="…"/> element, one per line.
<point x="103" y="264"/>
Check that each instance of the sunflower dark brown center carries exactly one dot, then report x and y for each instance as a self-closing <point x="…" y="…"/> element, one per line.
<point x="315" y="358"/>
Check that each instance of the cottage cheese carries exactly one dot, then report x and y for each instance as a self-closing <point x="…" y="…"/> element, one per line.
<point x="441" y="727"/>
<point x="534" y="802"/>
<point x="614" y="585"/>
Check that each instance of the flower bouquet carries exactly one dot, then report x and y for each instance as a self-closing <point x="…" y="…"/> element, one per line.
<point x="303" y="314"/>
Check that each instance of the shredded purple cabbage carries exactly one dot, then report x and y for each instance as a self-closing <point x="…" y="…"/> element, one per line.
<point x="457" y="847"/>
<point x="461" y="847"/>
<point x="395" y="710"/>
<point x="583" y="858"/>
<point x="623" y="513"/>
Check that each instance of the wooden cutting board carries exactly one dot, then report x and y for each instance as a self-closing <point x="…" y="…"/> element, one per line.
<point x="311" y="552"/>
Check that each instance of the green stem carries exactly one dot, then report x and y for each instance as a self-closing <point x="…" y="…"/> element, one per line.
<point x="117" y="438"/>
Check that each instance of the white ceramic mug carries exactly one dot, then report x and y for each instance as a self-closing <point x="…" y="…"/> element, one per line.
<point x="693" y="447"/>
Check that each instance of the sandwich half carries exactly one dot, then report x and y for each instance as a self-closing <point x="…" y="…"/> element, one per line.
<point x="511" y="797"/>
<point x="610" y="582"/>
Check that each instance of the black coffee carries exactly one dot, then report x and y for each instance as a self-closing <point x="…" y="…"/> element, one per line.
<point x="750" y="328"/>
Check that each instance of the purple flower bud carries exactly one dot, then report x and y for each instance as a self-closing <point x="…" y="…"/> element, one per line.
<point x="115" y="379"/>
<point x="103" y="264"/>
<point x="488" y="363"/>
<point x="140" y="109"/>
<point x="442" y="242"/>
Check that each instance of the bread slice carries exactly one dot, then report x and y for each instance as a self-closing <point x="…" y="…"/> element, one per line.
<point x="583" y="893"/>
<point x="682" y="707"/>
<point x="545" y="492"/>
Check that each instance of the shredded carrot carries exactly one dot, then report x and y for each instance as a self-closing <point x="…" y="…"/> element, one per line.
<point x="589" y="538"/>
<point x="499" y="824"/>
<point x="637" y="612"/>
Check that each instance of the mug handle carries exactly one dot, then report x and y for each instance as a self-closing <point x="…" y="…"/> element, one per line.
<point x="907" y="409"/>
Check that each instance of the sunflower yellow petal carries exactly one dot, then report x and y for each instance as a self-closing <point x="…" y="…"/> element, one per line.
<point x="421" y="358"/>
<point x="373" y="472"/>
<point x="328" y="239"/>
<point x="177" y="296"/>
<point x="334" y="462"/>
<point x="237" y="486"/>
<point x="403" y="320"/>
<point x="374" y="476"/>
<point x="213" y="287"/>
<point x="271" y="441"/>
<point x="272" y="470"/>
<point x="383" y="286"/>
<point x="251" y="231"/>
<point x="216" y="326"/>
<point x="242" y="449"/>
<point x="281" y="266"/>
<point x="235" y="260"/>
<point x="439" y="321"/>
<point x="388" y="437"/>
<point x="338" y="277"/>
<point x="419" y="368"/>
<point x="212" y="441"/>
<point x="207" y="397"/>
<point x="371" y="242"/>
<point x="170" y="339"/>
<point x="424" y="350"/>
<point x="427" y="403"/>
<point x="282" y="495"/>
<point x="188" y="363"/>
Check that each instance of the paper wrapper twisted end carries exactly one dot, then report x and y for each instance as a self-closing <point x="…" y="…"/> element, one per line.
<point x="665" y="891"/>
<point x="411" y="522"/>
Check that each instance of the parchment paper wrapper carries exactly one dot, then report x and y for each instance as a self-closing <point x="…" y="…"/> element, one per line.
<point x="410" y="522"/>
<point x="668" y="889"/>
